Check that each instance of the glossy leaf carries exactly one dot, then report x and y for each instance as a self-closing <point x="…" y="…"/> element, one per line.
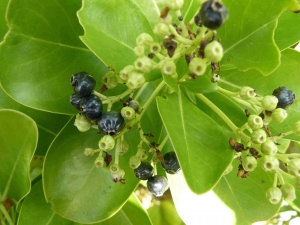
<point x="18" y="138"/>
<point x="41" y="52"/>
<point x="243" y="39"/>
<point x="200" y="143"/>
<point x="201" y="84"/>
<point x="77" y="189"/>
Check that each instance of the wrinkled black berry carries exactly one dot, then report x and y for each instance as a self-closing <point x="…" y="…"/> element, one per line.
<point x="83" y="83"/>
<point x="91" y="107"/>
<point x="212" y="14"/>
<point x="111" y="122"/>
<point x="171" y="164"/>
<point x="157" y="185"/>
<point x="144" y="171"/>
<point x="75" y="100"/>
<point x="285" y="97"/>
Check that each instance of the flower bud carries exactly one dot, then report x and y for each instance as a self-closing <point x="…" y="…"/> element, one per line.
<point x="134" y="162"/>
<point x="124" y="73"/>
<point x="249" y="163"/>
<point x="142" y="154"/>
<point x="144" y="40"/>
<point x="279" y="115"/>
<point x="135" y="80"/>
<point x="296" y="128"/>
<point x="247" y="93"/>
<point x="155" y="48"/>
<point x="89" y="151"/>
<point x="99" y="162"/>
<point x="123" y="147"/>
<point x="143" y="64"/>
<point x="110" y="80"/>
<point x="255" y="122"/>
<point x="213" y="51"/>
<point x="174" y="4"/>
<point x="82" y="123"/>
<point x="128" y="113"/>
<point x="106" y="143"/>
<point x="269" y="102"/>
<point x="268" y="147"/>
<point x="294" y="167"/>
<point x="168" y="68"/>
<point x="274" y="195"/>
<point x="161" y="29"/>
<point x="288" y="192"/>
<point x="258" y="136"/>
<point x="270" y="163"/>
<point x="197" y="66"/>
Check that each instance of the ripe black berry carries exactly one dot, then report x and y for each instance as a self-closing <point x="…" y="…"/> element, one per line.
<point x="157" y="185"/>
<point x="212" y="14"/>
<point x="144" y="171"/>
<point x="170" y="163"/>
<point x="91" y="107"/>
<point x="285" y="97"/>
<point x="110" y="122"/>
<point x="83" y="83"/>
<point x="75" y="100"/>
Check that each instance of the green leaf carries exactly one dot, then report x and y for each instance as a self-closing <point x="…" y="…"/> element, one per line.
<point x="201" y="84"/>
<point x="40" y="53"/>
<point x="287" y="31"/>
<point x="18" y="138"/>
<point x="3" y="26"/>
<point x="248" y="30"/>
<point x="200" y="143"/>
<point x="77" y="189"/>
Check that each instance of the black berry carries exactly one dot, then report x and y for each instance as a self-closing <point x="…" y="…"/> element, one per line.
<point x="111" y="122"/>
<point x="91" y="107"/>
<point x="285" y="97"/>
<point x="144" y="171"/>
<point x="83" y="83"/>
<point x="170" y="163"/>
<point x="212" y="14"/>
<point x="75" y="100"/>
<point x="157" y="185"/>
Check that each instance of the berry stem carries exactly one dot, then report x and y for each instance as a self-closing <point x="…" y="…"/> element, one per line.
<point x="101" y="96"/>
<point x="117" y="151"/>
<point x="178" y="37"/>
<point x="162" y="144"/>
<point x="293" y="205"/>
<point x="184" y="32"/>
<point x="226" y="92"/>
<point x="281" y="180"/>
<point x="275" y="179"/>
<point x="6" y="215"/>
<point x="287" y="174"/>
<point x="143" y="138"/>
<point x="113" y="99"/>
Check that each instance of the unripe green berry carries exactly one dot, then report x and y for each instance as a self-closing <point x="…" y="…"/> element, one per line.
<point x="294" y="167"/>
<point x="117" y="176"/>
<point x="155" y="48"/>
<point x="249" y="163"/>
<point x="197" y="66"/>
<point x="99" y="162"/>
<point x="288" y="192"/>
<point x="123" y="147"/>
<point x="167" y="19"/>
<point x="297" y="183"/>
<point x="268" y="147"/>
<point x="274" y="195"/>
<point x="82" y="123"/>
<point x="124" y="73"/>
<point x="255" y="122"/>
<point x="247" y="93"/>
<point x="139" y="50"/>
<point x="142" y="154"/>
<point x="174" y="4"/>
<point x="168" y="68"/>
<point x="114" y="168"/>
<point x="215" y="78"/>
<point x="161" y="29"/>
<point x="143" y="64"/>
<point x="279" y="115"/>
<point x="258" y="136"/>
<point x="110" y="80"/>
<point x="106" y="143"/>
<point x="144" y="40"/>
<point x="213" y="51"/>
<point x="296" y="128"/>
<point x="270" y="163"/>
<point x="128" y="113"/>
<point x="135" y="80"/>
<point x="89" y="151"/>
<point x="228" y="169"/>
<point x="269" y="102"/>
<point x="134" y="162"/>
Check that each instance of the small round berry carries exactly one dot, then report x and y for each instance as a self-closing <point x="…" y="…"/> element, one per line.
<point x="213" y="51"/>
<point x="110" y="80"/>
<point x="128" y="113"/>
<point x="118" y="176"/>
<point x="174" y="4"/>
<point x="296" y="128"/>
<point x="114" y="168"/>
<point x="255" y="122"/>
<point x="134" y="104"/>
<point x="269" y="102"/>
<point x="171" y="164"/>
<point x="134" y="162"/>
<point x="75" y="100"/>
<point x="83" y="83"/>
<point x="294" y="167"/>
<point x="143" y="64"/>
<point x="215" y="78"/>
<point x="124" y="73"/>
<point x="270" y="163"/>
<point x="106" y="143"/>
<point x="110" y="122"/>
<point x="139" y="50"/>
<point x="249" y="163"/>
<point x="168" y="68"/>
<point x="142" y="154"/>
<point x="135" y="80"/>
<point x="212" y="14"/>
<point x="279" y="115"/>
<point x="123" y="147"/>
<point x="144" y="40"/>
<point x="89" y="151"/>
<point x="99" y="162"/>
<point x="258" y="136"/>
<point x="157" y="185"/>
<point x="91" y="107"/>
<point x="82" y="123"/>
<point x="285" y="97"/>
<point x="268" y="147"/>
<point x="144" y="171"/>
<point x="288" y="192"/>
<point x="247" y="93"/>
<point x="155" y="48"/>
<point x="161" y="29"/>
<point x="274" y="195"/>
<point x="197" y="66"/>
